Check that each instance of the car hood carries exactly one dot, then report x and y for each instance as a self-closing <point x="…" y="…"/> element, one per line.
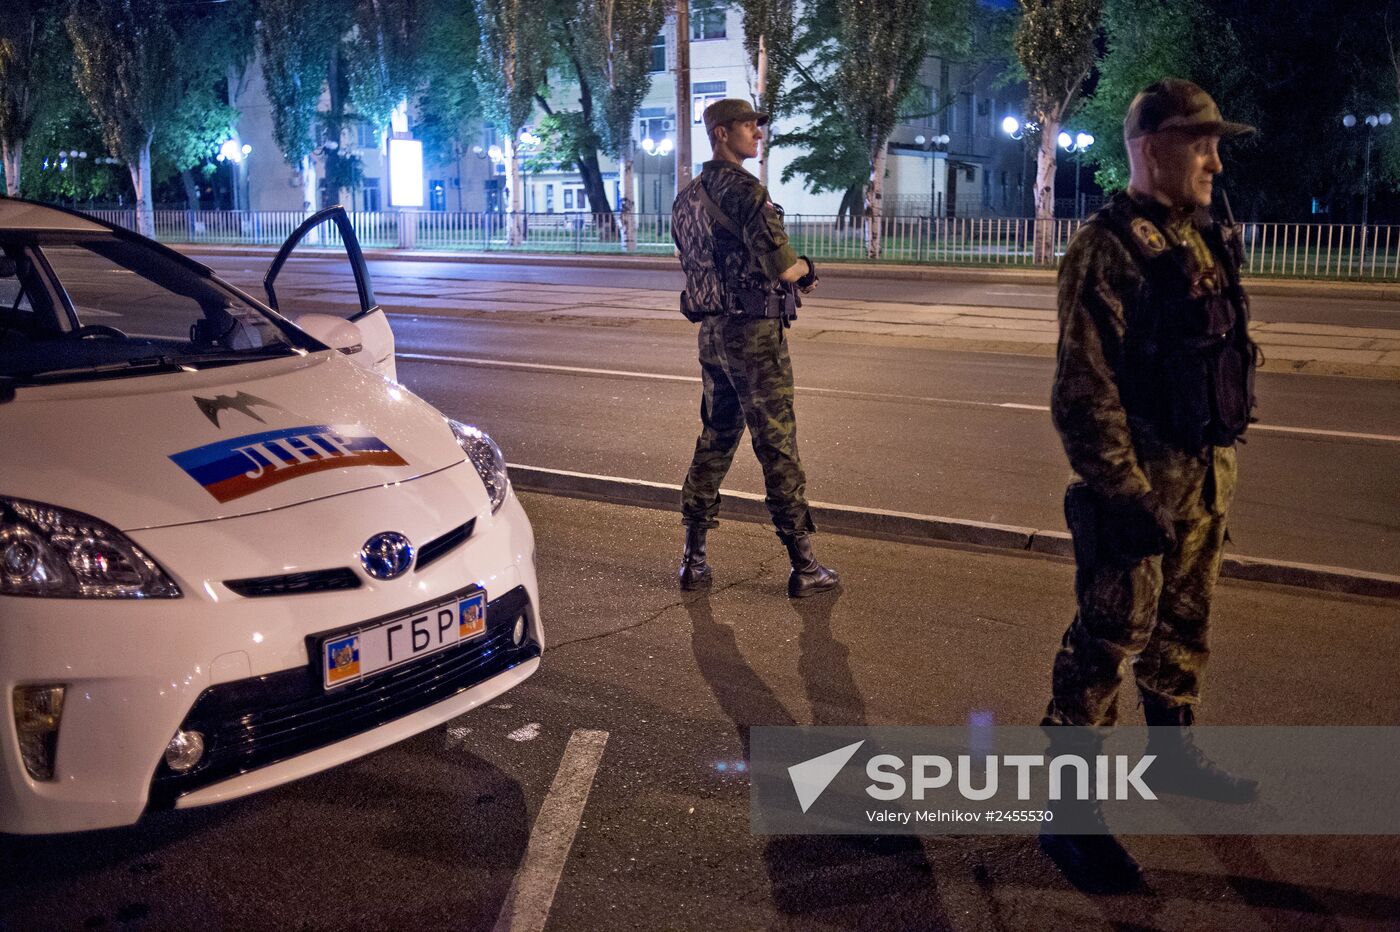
<point x="177" y="448"/>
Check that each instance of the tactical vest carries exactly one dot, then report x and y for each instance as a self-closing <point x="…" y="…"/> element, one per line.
<point x="1189" y="362"/>
<point x="693" y="231"/>
<point x="720" y="280"/>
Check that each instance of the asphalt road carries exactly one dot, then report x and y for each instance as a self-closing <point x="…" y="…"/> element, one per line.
<point x="886" y="424"/>
<point x="432" y="833"/>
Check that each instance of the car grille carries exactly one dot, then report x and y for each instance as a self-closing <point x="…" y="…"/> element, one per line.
<point x="258" y="721"/>
<point x="295" y="583"/>
<point x="441" y="546"/>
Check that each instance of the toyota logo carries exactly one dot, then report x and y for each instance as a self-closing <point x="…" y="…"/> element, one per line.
<point x="387" y="555"/>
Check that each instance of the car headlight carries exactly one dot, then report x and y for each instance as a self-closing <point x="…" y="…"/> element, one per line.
<point x="487" y="458"/>
<point x="54" y="552"/>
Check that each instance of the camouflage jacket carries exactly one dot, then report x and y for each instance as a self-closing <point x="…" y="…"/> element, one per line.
<point x="756" y="262"/>
<point x="1114" y="453"/>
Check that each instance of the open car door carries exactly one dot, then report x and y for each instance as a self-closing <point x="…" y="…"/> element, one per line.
<point x="373" y="345"/>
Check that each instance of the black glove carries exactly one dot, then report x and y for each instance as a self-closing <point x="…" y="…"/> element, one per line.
<point x="1138" y="527"/>
<point x="809" y="281"/>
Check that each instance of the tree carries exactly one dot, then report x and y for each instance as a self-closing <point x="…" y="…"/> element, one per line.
<point x="299" y="41"/>
<point x="769" y="39"/>
<point x="881" y="44"/>
<point x="1147" y="40"/>
<point x="448" y="96"/>
<point x="125" y="63"/>
<point x="383" y="57"/>
<point x="1055" y="44"/>
<point x="34" y="55"/>
<point x="615" y="39"/>
<point x="509" y="70"/>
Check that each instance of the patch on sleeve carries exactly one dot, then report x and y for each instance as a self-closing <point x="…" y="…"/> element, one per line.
<point x="1150" y="238"/>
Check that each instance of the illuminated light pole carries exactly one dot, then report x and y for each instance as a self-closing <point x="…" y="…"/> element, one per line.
<point x="1372" y="122"/>
<point x="934" y="143"/>
<point x="1022" y="131"/>
<point x="1076" y="144"/>
<point x="230" y="151"/>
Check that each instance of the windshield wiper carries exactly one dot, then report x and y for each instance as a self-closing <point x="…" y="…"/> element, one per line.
<point x="169" y="362"/>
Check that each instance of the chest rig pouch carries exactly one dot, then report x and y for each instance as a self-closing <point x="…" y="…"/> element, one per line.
<point x="1189" y="366"/>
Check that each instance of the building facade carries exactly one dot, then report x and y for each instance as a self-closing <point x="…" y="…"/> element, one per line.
<point x="949" y="159"/>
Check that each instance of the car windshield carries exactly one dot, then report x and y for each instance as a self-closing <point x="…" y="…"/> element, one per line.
<point x="79" y="306"/>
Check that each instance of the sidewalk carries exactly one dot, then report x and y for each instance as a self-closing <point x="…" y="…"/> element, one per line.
<point x="1288" y="287"/>
<point x="1314" y="349"/>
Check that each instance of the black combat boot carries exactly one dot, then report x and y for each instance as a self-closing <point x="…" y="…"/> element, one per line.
<point x="1076" y="837"/>
<point x="808" y="577"/>
<point x="695" y="572"/>
<point x="1180" y="766"/>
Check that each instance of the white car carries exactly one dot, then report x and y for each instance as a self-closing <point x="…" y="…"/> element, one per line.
<point x="233" y="550"/>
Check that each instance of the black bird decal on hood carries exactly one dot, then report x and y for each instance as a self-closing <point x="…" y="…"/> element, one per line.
<point x="243" y="403"/>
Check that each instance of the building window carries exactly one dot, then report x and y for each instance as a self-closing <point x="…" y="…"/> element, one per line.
<point x="928" y="99"/>
<point x="549" y="198"/>
<point x="371" y="194"/>
<point x="707" y="19"/>
<point x="658" y="53"/>
<point x="365" y="135"/>
<point x="568" y="198"/>
<point x="967" y="120"/>
<point x="656" y="128"/>
<point x="705" y="93"/>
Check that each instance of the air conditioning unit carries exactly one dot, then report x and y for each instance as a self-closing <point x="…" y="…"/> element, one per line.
<point x="668" y="125"/>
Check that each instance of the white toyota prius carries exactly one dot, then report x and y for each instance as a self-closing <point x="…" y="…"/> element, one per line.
<point x="234" y="551"/>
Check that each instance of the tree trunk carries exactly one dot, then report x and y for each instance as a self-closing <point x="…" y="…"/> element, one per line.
<point x="591" y="174"/>
<point x="191" y="189"/>
<point x="874" y="208"/>
<point x="850" y="202"/>
<point x="761" y="89"/>
<point x="309" y="185"/>
<point x="627" y="203"/>
<point x="141" y="182"/>
<point x="515" y="192"/>
<point x="13" y="153"/>
<point x="683" y="115"/>
<point x="1045" y="194"/>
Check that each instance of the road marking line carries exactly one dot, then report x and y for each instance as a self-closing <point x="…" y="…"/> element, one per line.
<point x="526" y="908"/>
<point x="849" y="393"/>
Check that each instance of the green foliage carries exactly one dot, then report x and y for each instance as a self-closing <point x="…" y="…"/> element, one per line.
<point x="381" y="56"/>
<point x="1148" y="40"/>
<point x="564" y="137"/>
<point x="511" y="63"/>
<point x="126" y="63"/>
<point x="34" y="65"/>
<point x="614" y="39"/>
<point x="1055" y="45"/>
<point x="774" y="22"/>
<point x="298" y="40"/>
<point x="880" y="45"/>
<point x="448" y="98"/>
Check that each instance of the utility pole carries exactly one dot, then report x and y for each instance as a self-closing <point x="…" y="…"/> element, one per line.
<point x="683" y="115"/>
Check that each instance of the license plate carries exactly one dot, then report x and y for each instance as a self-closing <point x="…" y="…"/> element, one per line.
<point x="346" y="658"/>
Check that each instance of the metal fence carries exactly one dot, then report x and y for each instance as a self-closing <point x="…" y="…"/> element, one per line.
<point x="1297" y="250"/>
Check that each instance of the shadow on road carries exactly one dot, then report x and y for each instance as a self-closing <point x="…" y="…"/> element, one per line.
<point x="814" y="874"/>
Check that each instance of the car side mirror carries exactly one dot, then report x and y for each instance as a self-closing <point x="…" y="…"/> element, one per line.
<point x="336" y="332"/>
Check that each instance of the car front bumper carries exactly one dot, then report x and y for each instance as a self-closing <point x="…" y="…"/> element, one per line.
<point x="136" y="671"/>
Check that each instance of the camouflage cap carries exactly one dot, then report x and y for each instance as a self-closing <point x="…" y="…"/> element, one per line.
<point x="1174" y="105"/>
<point x="729" y="110"/>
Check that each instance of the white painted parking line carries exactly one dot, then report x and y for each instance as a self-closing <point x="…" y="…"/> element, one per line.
<point x="526" y="908"/>
<point x="847" y="393"/>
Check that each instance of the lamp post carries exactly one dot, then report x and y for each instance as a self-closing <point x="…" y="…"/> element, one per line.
<point x="660" y="149"/>
<point x="933" y="143"/>
<point x="1076" y="144"/>
<point x="230" y="151"/>
<point x="1372" y="122"/>
<point x="65" y="157"/>
<point x="1022" y="131"/>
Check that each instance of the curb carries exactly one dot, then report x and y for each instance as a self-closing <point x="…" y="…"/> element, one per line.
<point x="932" y="529"/>
<point x="1379" y="291"/>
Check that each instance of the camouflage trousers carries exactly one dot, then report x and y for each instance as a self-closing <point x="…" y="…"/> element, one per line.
<point x="747" y="377"/>
<point x="1153" y="614"/>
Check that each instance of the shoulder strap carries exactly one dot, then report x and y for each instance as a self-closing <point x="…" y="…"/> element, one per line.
<point x="716" y="214"/>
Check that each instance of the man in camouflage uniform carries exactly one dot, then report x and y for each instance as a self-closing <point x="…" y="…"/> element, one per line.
<point x="740" y="273"/>
<point x="1153" y="385"/>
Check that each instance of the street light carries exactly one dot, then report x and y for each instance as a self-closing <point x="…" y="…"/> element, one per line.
<point x="1022" y="132"/>
<point x="1372" y="122"/>
<point x="1076" y="144"/>
<point x="933" y="146"/>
